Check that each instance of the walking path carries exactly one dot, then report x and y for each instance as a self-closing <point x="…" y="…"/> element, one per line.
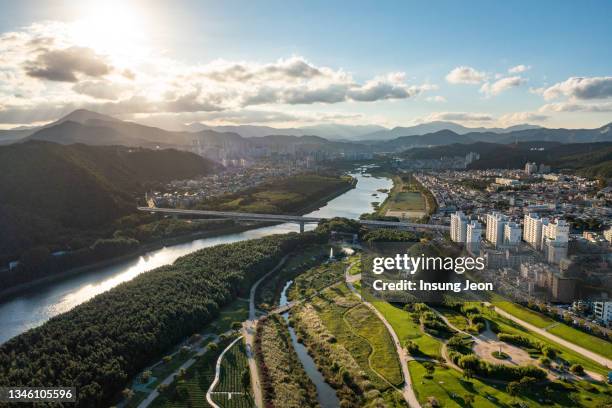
<point x="249" y="329"/>
<point x="407" y="390"/>
<point x="218" y="374"/>
<point x="606" y="362"/>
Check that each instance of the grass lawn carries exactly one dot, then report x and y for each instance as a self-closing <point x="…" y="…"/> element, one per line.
<point x="455" y="318"/>
<point x="450" y="389"/>
<point x="332" y="305"/>
<point x="406" y="330"/>
<point x="355" y="269"/>
<point x="509" y="326"/>
<point x="589" y="342"/>
<point x="237" y="311"/>
<point x="383" y="358"/>
<point x="525" y="314"/>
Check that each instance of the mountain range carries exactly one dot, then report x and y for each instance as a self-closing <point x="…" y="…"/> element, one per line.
<point x="83" y="126"/>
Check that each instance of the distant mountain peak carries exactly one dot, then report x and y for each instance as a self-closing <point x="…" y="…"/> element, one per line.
<point x="83" y="116"/>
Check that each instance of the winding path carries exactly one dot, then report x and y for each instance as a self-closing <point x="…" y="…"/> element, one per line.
<point x="218" y="374"/>
<point x="407" y="390"/>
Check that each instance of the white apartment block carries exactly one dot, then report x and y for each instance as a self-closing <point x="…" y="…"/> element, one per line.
<point x="512" y="234"/>
<point x="603" y="311"/>
<point x="495" y="228"/>
<point x="532" y="230"/>
<point x="531" y="168"/>
<point x="458" y="226"/>
<point x="474" y="236"/>
<point x="608" y="234"/>
<point x="558" y="231"/>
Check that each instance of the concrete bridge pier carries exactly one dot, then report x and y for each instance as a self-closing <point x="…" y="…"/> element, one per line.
<point x="301" y="227"/>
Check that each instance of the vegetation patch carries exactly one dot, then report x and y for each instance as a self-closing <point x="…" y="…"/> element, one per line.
<point x="234" y="379"/>
<point x="284" y="381"/>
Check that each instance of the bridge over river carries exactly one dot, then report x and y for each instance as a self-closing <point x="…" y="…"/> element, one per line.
<point x="297" y="219"/>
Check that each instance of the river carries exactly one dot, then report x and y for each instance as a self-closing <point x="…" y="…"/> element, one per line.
<point x="34" y="307"/>
<point x="326" y="395"/>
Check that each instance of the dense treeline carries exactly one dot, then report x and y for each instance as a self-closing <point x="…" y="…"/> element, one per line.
<point x="54" y="194"/>
<point x="99" y="345"/>
<point x="132" y="231"/>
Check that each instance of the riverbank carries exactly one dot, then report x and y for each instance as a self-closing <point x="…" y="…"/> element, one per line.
<point x="142" y="249"/>
<point x="8" y="293"/>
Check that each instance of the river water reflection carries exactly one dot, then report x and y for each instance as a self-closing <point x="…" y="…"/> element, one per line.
<point x="34" y="307"/>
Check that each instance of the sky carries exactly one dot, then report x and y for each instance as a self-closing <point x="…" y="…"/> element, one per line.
<point x="289" y="63"/>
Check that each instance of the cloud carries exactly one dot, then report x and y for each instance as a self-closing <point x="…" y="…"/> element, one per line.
<point x="465" y="75"/>
<point x="391" y="86"/>
<point x="519" y="69"/>
<point x="63" y="65"/>
<point x="497" y="87"/>
<point x="99" y="89"/>
<point x="458" y="116"/>
<point x="577" y="107"/>
<point x="581" y="88"/>
<point x="436" y="98"/>
<point x="521" y="117"/>
<point x="296" y="67"/>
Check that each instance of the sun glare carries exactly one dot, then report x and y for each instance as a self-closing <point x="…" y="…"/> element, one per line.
<point x="115" y="28"/>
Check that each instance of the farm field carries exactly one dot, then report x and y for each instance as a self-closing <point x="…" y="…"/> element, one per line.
<point x="193" y="386"/>
<point x="404" y="200"/>
<point x="231" y="391"/>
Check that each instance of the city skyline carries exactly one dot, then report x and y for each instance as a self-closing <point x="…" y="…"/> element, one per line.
<point x="288" y="65"/>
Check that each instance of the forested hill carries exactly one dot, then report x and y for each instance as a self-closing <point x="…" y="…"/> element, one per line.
<point x="589" y="159"/>
<point x="47" y="188"/>
<point x="99" y="345"/>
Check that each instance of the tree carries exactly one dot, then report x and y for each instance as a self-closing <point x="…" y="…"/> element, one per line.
<point x="469" y="362"/>
<point x="412" y="347"/>
<point x="429" y="367"/>
<point x="246" y="379"/>
<point x="513" y="388"/>
<point x="469" y="399"/>
<point x="545" y="361"/>
<point x="577" y="369"/>
<point x="549" y="352"/>
<point x="127" y="393"/>
<point x="145" y="376"/>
